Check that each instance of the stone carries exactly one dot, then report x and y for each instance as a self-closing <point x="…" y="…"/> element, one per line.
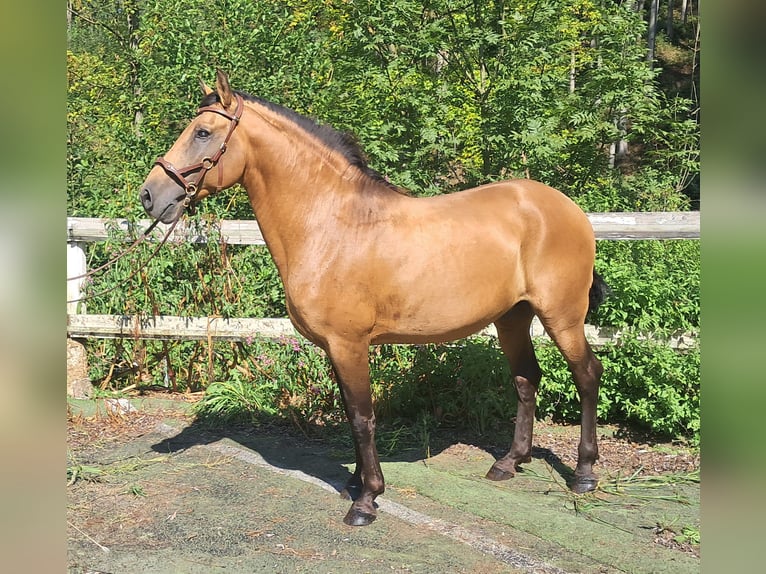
<point x="78" y="383"/>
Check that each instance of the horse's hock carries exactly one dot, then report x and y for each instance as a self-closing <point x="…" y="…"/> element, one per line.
<point x="78" y="383"/>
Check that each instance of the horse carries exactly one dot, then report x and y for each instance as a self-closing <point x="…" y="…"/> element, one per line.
<point x="363" y="262"/>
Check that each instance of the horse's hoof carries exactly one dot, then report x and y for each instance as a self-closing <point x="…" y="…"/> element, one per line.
<point x="495" y="473"/>
<point x="583" y="484"/>
<point x="356" y="517"/>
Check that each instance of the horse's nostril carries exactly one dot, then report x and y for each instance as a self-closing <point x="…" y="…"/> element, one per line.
<point x="146" y="198"/>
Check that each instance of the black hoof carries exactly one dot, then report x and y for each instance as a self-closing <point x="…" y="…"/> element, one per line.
<point x="495" y="473"/>
<point x="581" y="485"/>
<point x="356" y="517"/>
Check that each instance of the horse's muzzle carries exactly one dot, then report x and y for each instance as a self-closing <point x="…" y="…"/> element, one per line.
<point x="166" y="212"/>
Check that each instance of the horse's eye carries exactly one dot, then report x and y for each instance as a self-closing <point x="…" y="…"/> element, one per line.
<point x="202" y="134"/>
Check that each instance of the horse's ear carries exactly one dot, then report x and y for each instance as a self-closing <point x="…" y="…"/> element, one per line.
<point x="206" y="90"/>
<point x="224" y="91"/>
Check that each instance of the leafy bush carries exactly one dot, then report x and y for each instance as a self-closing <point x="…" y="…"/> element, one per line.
<point x="655" y="285"/>
<point x="646" y="385"/>
<point x="288" y="377"/>
<point x="655" y="290"/>
<point x="441" y="97"/>
<point x="465" y="385"/>
<point x="187" y="278"/>
<point x="236" y="400"/>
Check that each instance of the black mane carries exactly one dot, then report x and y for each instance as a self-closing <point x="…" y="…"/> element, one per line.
<point x="341" y="142"/>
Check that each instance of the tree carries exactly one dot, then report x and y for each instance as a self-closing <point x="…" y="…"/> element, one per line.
<point x="442" y="94"/>
<point x="651" y="34"/>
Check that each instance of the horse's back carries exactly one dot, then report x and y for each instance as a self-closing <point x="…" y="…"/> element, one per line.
<point x="536" y="218"/>
<point x="524" y="198"/>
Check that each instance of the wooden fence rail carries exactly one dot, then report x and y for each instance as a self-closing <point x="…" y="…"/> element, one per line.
<point x="609" y="226"/>
<point x="616" y="226"/>
<point x="173" y="328"/>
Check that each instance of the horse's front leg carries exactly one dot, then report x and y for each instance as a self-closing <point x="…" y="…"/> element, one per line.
<point x="351" y="364"/>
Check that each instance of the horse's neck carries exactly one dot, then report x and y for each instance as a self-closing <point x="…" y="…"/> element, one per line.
<point x="297" y="189"/>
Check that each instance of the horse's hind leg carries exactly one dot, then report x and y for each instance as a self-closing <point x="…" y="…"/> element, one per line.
<point x="514" y="338"/>
<point x="587" y="370"/>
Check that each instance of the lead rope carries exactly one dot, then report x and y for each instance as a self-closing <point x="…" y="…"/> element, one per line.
<point x="143" y="237"/>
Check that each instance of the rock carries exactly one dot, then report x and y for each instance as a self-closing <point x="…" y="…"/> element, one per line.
<point x="78" y="383"/>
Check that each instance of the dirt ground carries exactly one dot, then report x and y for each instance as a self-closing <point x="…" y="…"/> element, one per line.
<point x="152" y="491"/>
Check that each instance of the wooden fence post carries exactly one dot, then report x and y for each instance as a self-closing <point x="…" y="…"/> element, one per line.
<point x="76" y="265"/>
<point x="78" y="382"/>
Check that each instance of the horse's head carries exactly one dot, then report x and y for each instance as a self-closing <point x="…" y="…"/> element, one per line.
<point x="194" y="166"/>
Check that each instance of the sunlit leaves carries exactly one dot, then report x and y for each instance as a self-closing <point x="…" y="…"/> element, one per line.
<point x="442" y="95"/>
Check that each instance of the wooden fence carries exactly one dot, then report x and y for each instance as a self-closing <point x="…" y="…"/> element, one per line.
<point x="611" y="226"/>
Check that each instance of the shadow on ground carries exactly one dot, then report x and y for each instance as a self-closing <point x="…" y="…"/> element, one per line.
<point x="314" y="453"/>
<point x="181" y="496"/>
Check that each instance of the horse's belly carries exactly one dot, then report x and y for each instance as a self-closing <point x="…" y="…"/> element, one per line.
<point x="448" y="289"/>
<point x="417" y="334"/>
<point x="447" y="312"/>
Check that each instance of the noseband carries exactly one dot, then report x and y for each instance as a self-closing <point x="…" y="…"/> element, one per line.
<point x="179" y="174"/>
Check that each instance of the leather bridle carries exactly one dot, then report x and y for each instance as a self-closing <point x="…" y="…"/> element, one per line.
<point x="207" y="163"/>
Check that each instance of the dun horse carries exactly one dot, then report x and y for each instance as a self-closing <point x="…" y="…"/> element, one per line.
<point x="364" y="263"/>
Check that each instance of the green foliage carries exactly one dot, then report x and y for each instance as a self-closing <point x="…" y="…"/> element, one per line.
<point x="188" y="279"/>
<point x="689" y="535"/>
<point x="136" y="490"/>
<point x="288" y="377"/>
<point x="645" y="385"/>
<point x="236" y="400"/>
<point x="464" y="386"/>
<point x="442" y="96"/>
<point x="655" y="285"/>
<point x="83" y="472"/>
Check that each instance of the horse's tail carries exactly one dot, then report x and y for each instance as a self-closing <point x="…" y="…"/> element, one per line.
<point x="599" y="291"/>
